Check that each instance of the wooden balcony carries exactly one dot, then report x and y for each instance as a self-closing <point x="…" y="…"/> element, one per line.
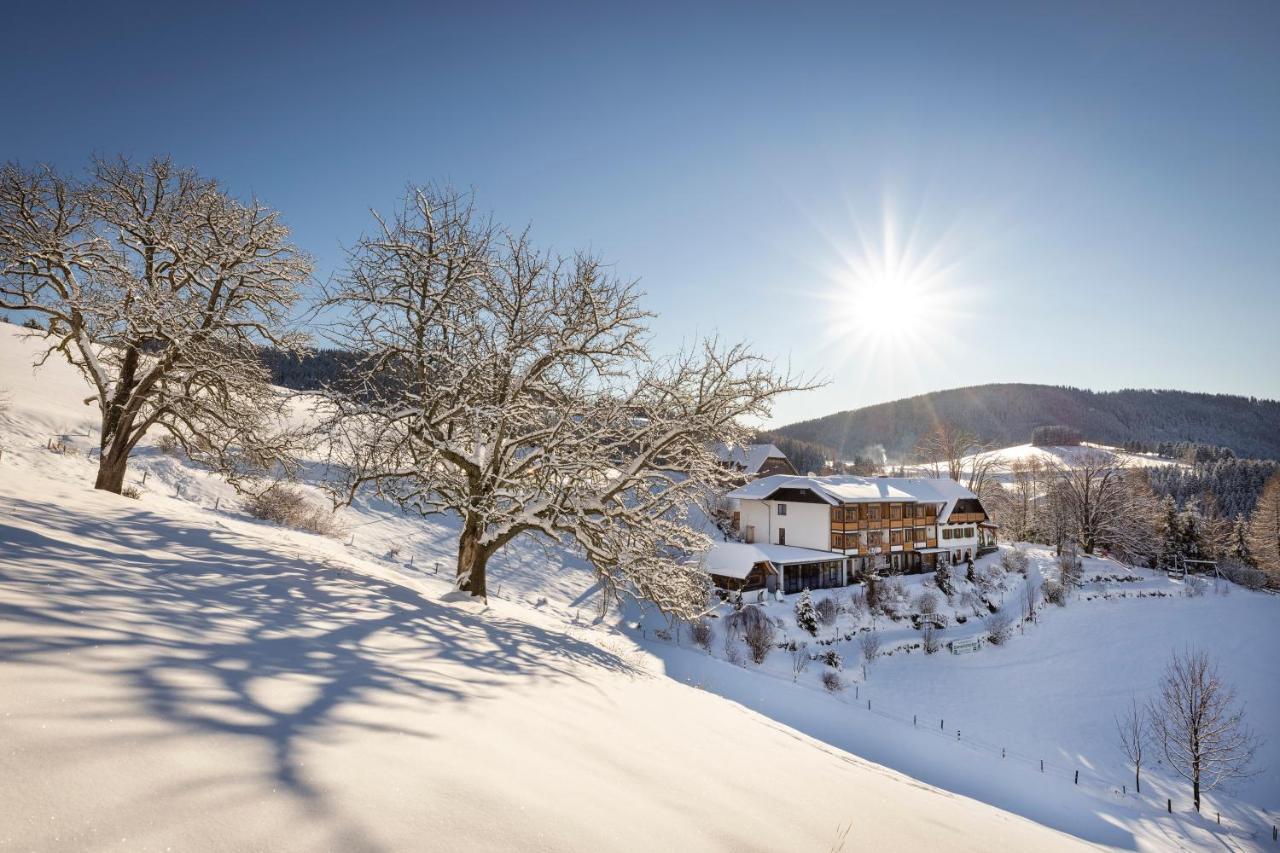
<point x="966" y="517"/>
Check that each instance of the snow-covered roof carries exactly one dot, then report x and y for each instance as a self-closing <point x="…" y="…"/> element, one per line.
<point x="749" y="457"/>
<point x="844" y="489"/>
<point x="735" y="559"/>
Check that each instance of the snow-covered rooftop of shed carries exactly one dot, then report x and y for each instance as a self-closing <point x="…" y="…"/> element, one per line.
<point x="735" y="559"/>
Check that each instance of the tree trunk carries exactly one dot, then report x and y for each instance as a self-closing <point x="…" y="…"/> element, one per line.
<point x="1137" y="779"/>
<point x="472" y="559"/>
<point x="1195" y="789"/>
<point x="112" y="465"/>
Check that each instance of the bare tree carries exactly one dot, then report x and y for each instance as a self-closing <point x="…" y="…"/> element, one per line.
<point x="1264" y="530"/>
<point x="959" y="454"/>
<point x="159" y="288"/>
<point x="516" y="389"/>
<point x="1198" y="726"/>
<point x="1133" y="731"/>
<point x="799" y="658"/>
<point x="760" y="637"/>
<point x="869" y="642"/>
<point x="1102" y="504"/>
<point x="1030" y="598"/>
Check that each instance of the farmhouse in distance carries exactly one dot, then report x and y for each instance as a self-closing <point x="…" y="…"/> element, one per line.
<point x="818" y="532"/>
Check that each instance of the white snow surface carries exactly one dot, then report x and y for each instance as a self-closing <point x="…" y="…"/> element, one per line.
<point x="178" y="677"/>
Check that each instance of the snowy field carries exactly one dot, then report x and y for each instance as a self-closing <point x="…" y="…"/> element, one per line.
<point x="980" y="723"/>
<point x="175" y="675"/>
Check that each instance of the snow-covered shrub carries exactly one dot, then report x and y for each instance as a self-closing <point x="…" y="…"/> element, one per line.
<point x="1194" y="586"/>
<point x="1054" y="593"/>
<point x="827" y="611"/>
<point x="703" y="634"/>
<point x="131" y="492"/>
<point x="929" y="637"/>
<point x="806" y="616"/>
<point x="1014" y="560"/>
<point x="832" y="659"/>
<point x="926" y="603"/>
<point x="942" y="578"/>
<point x="168" y="445"/>
<point x="999" y="626"/>
<point x="289" y="507"/>
<point x="832" y="681"/>
<point x="799" y="658"/>
<point x="857" y="606"/>
<point x="892" y="598"/>
<point x="1242" y="574"/>
<point x="759" y="637"/>
<point x="743" y="619"/>
<point x="869" y="642"/>
<point x="732" y="653"/>
<point x="1069" y="565"/>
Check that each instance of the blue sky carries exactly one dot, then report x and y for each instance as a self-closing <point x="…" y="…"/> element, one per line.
<point x="1088" y="196"/>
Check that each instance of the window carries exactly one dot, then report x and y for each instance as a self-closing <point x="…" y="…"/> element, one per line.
<point x="946" y="533"/>
<point x="895" y="537"/>
<point x="837" y="541"/>
<point x="908" y="510"/>
<point x="837" y="514"/>
<point x="782" y="536"/>
<point x="875" y="538"/>
<point x="895" y="511"/>
<point x="919" y="535"/>
<point x="782" y="509"/>
<point x="930" y="511"/>
<point x="873" y="512"/>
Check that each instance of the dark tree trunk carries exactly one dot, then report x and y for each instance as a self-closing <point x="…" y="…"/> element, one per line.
<point x="1195" y="790"/>
<point x="1137" y="779"/>
<point x="112" y="466"/>
<point x="472" y="559"/>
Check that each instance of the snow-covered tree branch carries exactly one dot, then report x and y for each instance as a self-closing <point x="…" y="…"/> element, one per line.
<point x="517" y="389"/>
<point x="159" y="287"/>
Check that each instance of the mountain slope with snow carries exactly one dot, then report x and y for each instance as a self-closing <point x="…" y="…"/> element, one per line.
<point x="175" y="676"/>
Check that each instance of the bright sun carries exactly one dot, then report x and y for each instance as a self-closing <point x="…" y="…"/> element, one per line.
<point x="892" y="302"/>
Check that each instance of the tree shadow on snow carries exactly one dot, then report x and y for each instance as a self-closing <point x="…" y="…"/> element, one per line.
<point x="218" y="636"/>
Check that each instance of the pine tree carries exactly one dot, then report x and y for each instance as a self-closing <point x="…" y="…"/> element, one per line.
<point x="1238" y="546"/>
<point x="806" y="615"/>
<point x="1264" y="531"/>
<point x="942" y="577"/>
<point x="1168" y="532"/>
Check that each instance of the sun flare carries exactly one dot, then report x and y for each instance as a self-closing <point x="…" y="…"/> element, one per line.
<point x="893" y="301"/>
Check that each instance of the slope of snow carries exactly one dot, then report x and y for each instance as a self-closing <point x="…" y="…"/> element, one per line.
<point x="980" y="723"/>
<point x="172" y="675"/>
<point x="175" y="677"/>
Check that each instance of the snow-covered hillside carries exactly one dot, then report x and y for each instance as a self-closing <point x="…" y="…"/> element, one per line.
<point x="175" y="675"/>
<point x="1002" y="459"/>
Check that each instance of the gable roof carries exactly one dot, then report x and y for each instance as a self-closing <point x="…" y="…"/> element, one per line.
<point x="749" y="457"/>
<point x="849" y="489"/>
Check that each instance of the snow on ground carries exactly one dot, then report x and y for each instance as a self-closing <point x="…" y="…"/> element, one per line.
<point x="172" y="676"/>
<point x="176" y="675"/>
<point x="1051" y="692"/>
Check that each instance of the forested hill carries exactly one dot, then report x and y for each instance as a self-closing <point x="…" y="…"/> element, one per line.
<point x="1005" y="414"/>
